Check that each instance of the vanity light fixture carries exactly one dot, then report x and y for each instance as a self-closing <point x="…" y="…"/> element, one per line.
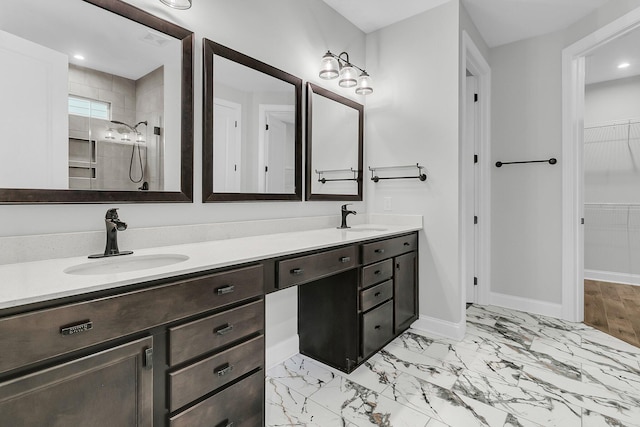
<point x="177" y="4"/>
<point x="333" y="66"/>
<point x="109" y="134"/>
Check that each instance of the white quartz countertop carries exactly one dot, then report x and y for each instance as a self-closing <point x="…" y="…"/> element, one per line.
<point x="37" y="281"/>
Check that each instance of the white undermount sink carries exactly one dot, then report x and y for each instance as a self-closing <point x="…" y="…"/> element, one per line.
<point x="124" y="264"/>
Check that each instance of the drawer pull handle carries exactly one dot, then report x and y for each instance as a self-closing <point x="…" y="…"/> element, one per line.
<point x="379" y="251"/>
<point x="225" y="423"/>
<point x="223" y="370"/>
<point x="297" y="271"/>
<point x="407" y="244"/>
<point x="223" y="330"/>
<point x="87" y="325"/>
<point x="377" y="294"/>
<point x="345" y="259"/>
<point x="377" y="273"/>
<point x="225" y="290"/>
<point x="377" y="327"/>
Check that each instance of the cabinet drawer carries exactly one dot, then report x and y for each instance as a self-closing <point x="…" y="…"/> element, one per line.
<point x="377" y="328"/>
<point x="376" y="273"/>
<point x="200" y="378"/>
<point x="375" y="295"/>
<point x="307" y="268"/>
<point x="376" y="251"/>
<point x="241" y="405"/>
<point x="200" y="336"/>
<point x="36" y="336"/>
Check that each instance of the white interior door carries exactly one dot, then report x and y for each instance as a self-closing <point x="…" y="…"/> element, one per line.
<point x="275" y="149"/>
<point x="226" y="146"/>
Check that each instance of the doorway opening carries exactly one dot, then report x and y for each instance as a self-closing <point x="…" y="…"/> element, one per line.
<point x="574" y="60"/>
<point x="475" y="161"/>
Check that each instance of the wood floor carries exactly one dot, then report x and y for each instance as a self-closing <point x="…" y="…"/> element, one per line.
<point x="613" y="308"/>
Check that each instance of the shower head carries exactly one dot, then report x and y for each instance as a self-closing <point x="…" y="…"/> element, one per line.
<point x="128" y="128"/>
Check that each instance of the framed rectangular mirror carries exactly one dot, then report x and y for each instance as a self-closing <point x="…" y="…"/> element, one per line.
<point x="96" y="106"/>
<point x="335" y="135"/>
<point x="252" y="143"/>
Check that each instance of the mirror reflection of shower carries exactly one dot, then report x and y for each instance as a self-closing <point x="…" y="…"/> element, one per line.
<point x="116" y="131"/>
<point x="126" y="129"/>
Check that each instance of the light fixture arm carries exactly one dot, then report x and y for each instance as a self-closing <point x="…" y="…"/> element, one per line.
<point x="342" y="61"/>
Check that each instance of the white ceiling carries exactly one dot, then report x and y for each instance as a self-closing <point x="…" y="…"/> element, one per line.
<point x="499" y="21"/>
<point x="108" y="42"/>
<point x="506" y="21"/>
<point x="602" y="64"/>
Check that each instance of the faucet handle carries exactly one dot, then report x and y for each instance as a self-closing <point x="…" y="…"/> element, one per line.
<point x="111" y="214"/>
<point x="344" y="207"/>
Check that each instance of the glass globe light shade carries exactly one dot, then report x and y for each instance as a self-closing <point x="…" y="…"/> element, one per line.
<point x="177" y="4"/>
<point x="348" y="76"/>
<point x="364" y="84"/>
<point x="329" y="67"/>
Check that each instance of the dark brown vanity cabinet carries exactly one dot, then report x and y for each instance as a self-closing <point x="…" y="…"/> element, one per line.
<point x="109" y="388"/>
<point x="405" y="291"/>
<point x="157" y="355"/>
<point x="344" y="318"/>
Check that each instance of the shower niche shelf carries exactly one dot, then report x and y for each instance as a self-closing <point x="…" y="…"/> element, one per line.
<point x="82" y="163"/>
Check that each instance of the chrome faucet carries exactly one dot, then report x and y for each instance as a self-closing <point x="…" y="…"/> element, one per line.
<point x="344" y="211"/>
<point x="113" y="224"/>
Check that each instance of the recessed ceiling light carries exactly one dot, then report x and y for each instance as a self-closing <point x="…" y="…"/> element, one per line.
<point x="624" y="65"/>
<point x="79" y="57"/>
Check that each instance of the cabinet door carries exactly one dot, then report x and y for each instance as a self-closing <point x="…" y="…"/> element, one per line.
<point x="405" y="289"/>
<point x="109" y="388"/>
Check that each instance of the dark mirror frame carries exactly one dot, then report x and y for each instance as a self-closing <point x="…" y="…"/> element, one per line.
<point x="317" y="90"/>
<point x="208" y="195"/>
<point x="42" y="196"/>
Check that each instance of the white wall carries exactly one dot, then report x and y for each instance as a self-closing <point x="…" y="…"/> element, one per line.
<point x="614" y="100"/>
<point x="526" y="199"/>
<point x="413" y="118"/>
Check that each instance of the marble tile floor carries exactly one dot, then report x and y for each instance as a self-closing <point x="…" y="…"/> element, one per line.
<point x="513" y="369"/>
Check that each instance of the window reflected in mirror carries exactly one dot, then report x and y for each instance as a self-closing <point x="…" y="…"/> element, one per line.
<point x="252" y="138"/>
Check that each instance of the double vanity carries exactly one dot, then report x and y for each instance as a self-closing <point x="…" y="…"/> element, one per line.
<point x="176" y="335"/>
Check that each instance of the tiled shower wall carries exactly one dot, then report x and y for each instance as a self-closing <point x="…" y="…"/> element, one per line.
<point x="131" y="102"/>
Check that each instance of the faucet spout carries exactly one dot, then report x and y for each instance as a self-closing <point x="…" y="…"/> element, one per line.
<point x="113" y="225"/>
<point x="346" y="212"/>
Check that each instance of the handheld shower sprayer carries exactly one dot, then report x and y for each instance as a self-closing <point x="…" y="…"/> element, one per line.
<point x="125" y="129"/>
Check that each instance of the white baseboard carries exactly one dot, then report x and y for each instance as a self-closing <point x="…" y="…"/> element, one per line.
<point x="440" y="328"/>
<point x="525" y="304"/>
<point x="611" y="276"/>
<point x="282" y="351"/>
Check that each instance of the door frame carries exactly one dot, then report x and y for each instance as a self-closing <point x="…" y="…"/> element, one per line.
<point x="573" y="83"/>
<point x="473" y="61"/>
